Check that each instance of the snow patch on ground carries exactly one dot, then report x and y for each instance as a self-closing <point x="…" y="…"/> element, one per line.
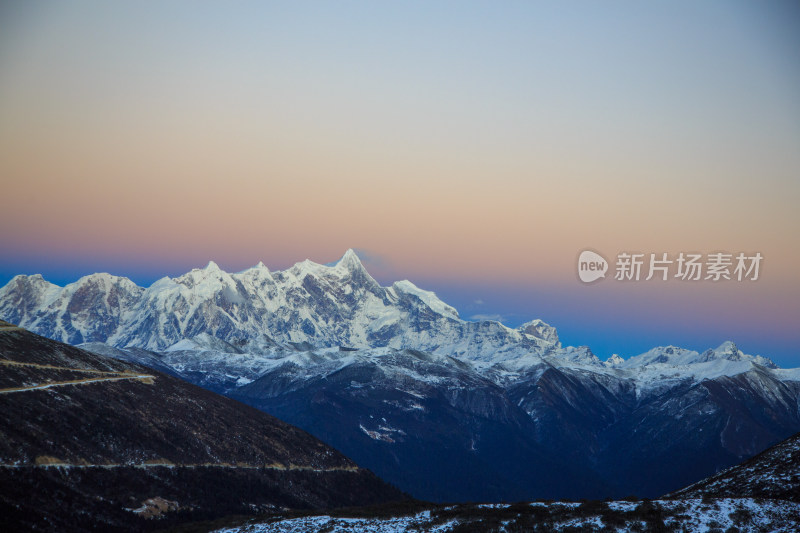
<point x="742" y="514"/>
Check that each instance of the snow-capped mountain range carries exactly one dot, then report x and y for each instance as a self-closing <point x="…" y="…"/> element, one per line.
<point x="442" y="407"/>
<point x="312" y="305"/>
<point x="322" y="305"/>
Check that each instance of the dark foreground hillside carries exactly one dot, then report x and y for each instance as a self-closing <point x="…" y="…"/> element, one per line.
<point x="92" y="443"/>
<point x="774" y="473"/>
<point x="760" y="496"/>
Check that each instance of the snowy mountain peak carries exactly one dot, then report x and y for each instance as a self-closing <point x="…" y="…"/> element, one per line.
<point x="350" y="261"/>
<point x="671" y="355"/>
<point x="428" y="297"/>
<point x="728" y="345"/>
<point x="577" y="355"/>
<point x="541" y="330"/>
<point x="302" y="268"/>
<point x="614" y="361"/>
<point x="727" y="350"/>
<point x="674" y="356"/>
<point x="210" y="278"/>
<point x="212" y="267"/>
<point x="104" y="279"/>
<point x="350" y="266"/>
<point x="348" y="270"/>
<point x="24" y="296"/>
<point x="258" y="271"/>
<point x="33" y="283"/>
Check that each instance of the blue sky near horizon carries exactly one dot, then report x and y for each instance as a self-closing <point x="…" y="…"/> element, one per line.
<point x="472" y="147"/>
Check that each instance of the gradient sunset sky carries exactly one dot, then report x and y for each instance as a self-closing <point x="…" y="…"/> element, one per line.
<point x="474" y="148"/>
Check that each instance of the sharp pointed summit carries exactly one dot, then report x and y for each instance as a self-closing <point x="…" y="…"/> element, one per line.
<point x="211" y="267"/>
<point x="728" y="347"/>
<point x="351" y="267"/>
<point x="350" y="261"/>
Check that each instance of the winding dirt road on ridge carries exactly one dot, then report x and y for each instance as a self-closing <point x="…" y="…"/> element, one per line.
<point x="99" y="375"/>
<point x="107" y="376"/>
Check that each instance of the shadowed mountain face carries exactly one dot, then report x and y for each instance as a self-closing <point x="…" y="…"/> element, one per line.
<point x="90" y="442"/>
<point x="697" y="431"/>
<point x="444" y="432"/>
<point x="438" y="431"/>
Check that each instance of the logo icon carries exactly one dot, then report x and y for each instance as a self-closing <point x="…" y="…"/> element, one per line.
<point x="591" y="266"/>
